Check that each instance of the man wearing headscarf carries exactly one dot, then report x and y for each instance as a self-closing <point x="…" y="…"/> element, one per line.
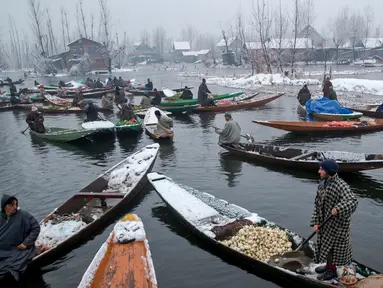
<point x="186" y="94"/>
<point x="231" y="133"/>
<point x="35" y="120"/>
<point x="164" y="125"/>
<point x="334" y="197"/>
<point x="203" y="91"/>
<point x="18" y="233"/>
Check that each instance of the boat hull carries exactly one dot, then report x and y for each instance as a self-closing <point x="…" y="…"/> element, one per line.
<point x="282" y="160"/>
<point x="195" y="101"/>
<point x="64" y="135"/>
<point x="329" y="117"/>
<point x="94" y="227"/>
<point x="237" y="105"/>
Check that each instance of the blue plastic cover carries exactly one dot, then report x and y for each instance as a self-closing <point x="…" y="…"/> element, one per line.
<point x="325" y="105"/>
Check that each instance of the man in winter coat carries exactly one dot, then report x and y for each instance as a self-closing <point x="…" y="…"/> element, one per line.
<point x="335" y="198"/>
<point x="304" y="95"/>
<point x="203" y="100"/>
<point x="145" y="101"/>
<point x="231" y="133"/>
<point x="326" y="87"/>
<point x="164" y="125"/>
<point x="35" y="121"/>
<point x="186" y="94"/>
<point x="157" y="98"/>
<point x="18" y="233"/>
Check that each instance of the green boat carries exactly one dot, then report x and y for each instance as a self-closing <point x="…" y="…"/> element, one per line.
<point x="64" y="135"/>
<point x="179" y="109"/>
<point x="194" y="101"/>
<point x="132" y="128"/>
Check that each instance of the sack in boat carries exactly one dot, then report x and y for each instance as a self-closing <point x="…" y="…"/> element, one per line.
<point x="373" y="281"/>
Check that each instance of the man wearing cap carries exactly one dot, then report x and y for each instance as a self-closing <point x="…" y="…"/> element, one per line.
<point x="334" y="197"/>
<point x="18" y="233"/>
<point x="35" y="120"/>
<point x="231" y="133"/>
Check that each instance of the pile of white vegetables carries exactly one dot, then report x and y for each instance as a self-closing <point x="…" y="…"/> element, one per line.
<point x="260" y="243"/>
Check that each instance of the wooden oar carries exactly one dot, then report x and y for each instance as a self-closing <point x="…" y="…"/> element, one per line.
<point x="22" y="132"/>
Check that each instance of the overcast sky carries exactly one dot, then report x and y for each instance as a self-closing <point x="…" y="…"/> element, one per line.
<point x="205" y="15"/>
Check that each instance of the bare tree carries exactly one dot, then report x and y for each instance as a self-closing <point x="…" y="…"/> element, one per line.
<point x="15" y="52"/>
<point x="356" y="25"/>
<point x="67" y="26"/>
<point x="51" y="36"/>
<point x="340" y="29"/>
<point x="145" y="36"/>
<point x="309" y="12"/>
<point x="79" y="31"/>
<point x="92" y="27"/>
<point x="107" y="48"/>
<point x="83" y="19"/>
<point x="377" y="32"/>
<point x="189" y="34"/>
<point x="297" y="25"/>
<point x="262" y="22"/>
<point x="36" y="15"/>
<point x="63" y="27"/>
<point x="159" y="38"/>
<point x="280" y="29"/>
<point x="368" y="23"/>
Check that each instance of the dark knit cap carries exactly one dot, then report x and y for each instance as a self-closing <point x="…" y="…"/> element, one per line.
<point x="330" y="166"/>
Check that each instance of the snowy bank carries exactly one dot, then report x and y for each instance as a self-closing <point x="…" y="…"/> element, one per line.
<point x="374" y="87"/>
<point x="258" y="80"/>
<point x="344" y="72"/>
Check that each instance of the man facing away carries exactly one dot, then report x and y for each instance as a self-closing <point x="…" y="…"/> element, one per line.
<point x="334" y="197"/>
<point x="203" y="91"/>
<point x="231" y="133"/>
<point x="164" y="125"/>
<point x="18" y="233"/>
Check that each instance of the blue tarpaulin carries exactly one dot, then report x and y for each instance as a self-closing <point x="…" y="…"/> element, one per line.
<point x="325" y="105"/>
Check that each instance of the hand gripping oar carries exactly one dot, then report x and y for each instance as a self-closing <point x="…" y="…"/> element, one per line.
<point x="247" y="136"/>
<point x="22" y="132"/>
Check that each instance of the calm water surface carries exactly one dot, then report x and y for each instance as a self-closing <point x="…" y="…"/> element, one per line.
<point x="44" y="175"/>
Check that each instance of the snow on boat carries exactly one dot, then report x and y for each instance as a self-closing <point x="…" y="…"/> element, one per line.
<point x="333" y="127"/>
<point x="88" y="211"/>
<point x="103" y="125"/>
<point x="237" y="105"/>
<point x="150" y="124"/>
<point x="307" y="160"/>
<point x="218" y="222"/>
<point x="64" y="135"/>
<point x="125" y="257"/>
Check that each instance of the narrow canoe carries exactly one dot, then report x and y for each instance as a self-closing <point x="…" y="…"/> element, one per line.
<point x="131" y="127"/>
<point x="369" y="111"/>
<point x="64" y="135"/>
<point x="102" y="125"/>
<point x="179" y="109"/>
<point x="329" y="116"/>
<point x="150" y="125"/>
<point x="238" y="105"/>
<point x="195" y="101"/>
<point x="92" y="207"/>
<point x="124" y="260"/>
<point x="141" y="92"/>
<point x="142" y="113"/>
<point x="71" y="110"/>
<point x="215" y="220"/>
<point x="305" y="159"/>
<point x="5" y="83"/>
<point x="324" y="127"/>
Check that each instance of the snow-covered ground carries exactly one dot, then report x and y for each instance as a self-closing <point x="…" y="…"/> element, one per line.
<point x="363" y="86"/>
<point x="344" y="72"/>
<point x="260" y="80"/>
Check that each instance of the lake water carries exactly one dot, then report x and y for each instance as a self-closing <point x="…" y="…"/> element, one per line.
<point x="44" y="175"/>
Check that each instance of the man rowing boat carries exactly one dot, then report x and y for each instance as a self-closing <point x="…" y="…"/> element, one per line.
<point x="18" y="233"/>
<point x="334" y="197"/>
<point x="35" y="120"/>
<point x="231" y="133"/>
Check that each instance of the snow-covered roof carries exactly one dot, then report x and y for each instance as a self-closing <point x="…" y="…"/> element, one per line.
<point x="253" y="45"/>
<point x="82" y="39"/>
<point x="195" y="53"/>
<point x="287" y="43"/>
<point x="370" y="43"/>
<point x="222" y="43"/>
<point x="181" y="46"/>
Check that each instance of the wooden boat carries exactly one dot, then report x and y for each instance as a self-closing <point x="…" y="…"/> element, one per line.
<point x="70" y="110"/>
<point x="325" y="127"/>
<point x="64" y="135"/>
<point x="130" y="127"/>
<point x="179" y="109"/>
<point x="141" y="92"/>
<point x="214" y="220"/>
<point x="124" y="260"/>
<point x="94" y="206"/>
<point x="369" y="111"/>
<point x="238" y="105"/>
<point x="195" y="101"/>
<point x="306" y="159"/>
<point x="142" y="113"/>
<point x="150" y="124"/>
<point x="6" y="83"/>
<point x="104" y="126"/>
<point x="329" y="116"/>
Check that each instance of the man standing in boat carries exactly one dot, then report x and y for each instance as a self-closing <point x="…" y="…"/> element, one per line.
<point x="334" y="197"/>
<point x="18" y="233"/>
<point x="326" y="87"/>
<point x="203" y="91"/>
<point x="231" y="133"/>
<point x="304" y="95"/>
<point x="186" y="94"/>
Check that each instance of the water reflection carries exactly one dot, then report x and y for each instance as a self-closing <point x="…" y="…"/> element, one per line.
<point x="166" y="153"/>
<point x="129" y="142"/>
<point x="184" y="119"/>
<point x="40" y="145"/>
<point x="207" y="120"/>
<point x="231" y="166"/>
